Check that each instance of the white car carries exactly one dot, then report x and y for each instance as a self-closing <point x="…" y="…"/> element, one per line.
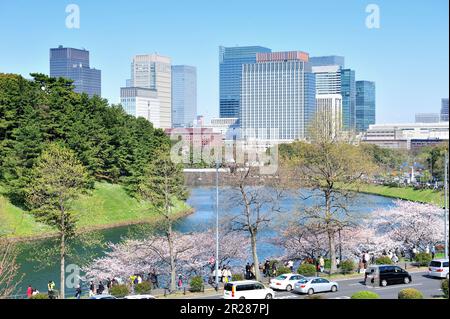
<point x="247" y="289"/>
<point x="139" y="297"/>
<point x="315" y="284"/>
<point x="102" y="297"/>
<point x="285" y="281"/>
<point x="438" y="268"/>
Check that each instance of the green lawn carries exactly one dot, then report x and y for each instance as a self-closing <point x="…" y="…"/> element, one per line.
<point x="108" y="205"/>
<point x="407" y="193"/>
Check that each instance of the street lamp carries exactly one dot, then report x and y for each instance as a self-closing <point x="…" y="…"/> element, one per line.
<point x="217" y="225"/>
<point x="446" y="204"/>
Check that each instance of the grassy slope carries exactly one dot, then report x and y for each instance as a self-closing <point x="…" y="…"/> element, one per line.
<point x="108" y="205"/>
<point x="423" y="196"/>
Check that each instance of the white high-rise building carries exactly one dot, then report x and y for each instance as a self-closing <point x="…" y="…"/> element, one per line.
<point x="141" y="102"/>
<point x="329" y="97"/>
<point x="153" y="71"/>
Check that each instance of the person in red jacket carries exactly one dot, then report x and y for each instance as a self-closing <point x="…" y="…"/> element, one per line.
<point x="29" y="291"/>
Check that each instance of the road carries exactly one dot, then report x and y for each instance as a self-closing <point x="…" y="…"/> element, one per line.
<point x="430" y="287"/>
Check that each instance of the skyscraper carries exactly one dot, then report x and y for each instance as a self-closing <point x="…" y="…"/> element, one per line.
<point x="141" y="102"/>
<point x="153" y="71"/>
<point x="230" y="73"/>
<point x="278" y="97"/>
<point x="327" y="60"/>
<point x="348" y="92"/>
<point x="184" y="95"/>
<point x="444" y="110"/>
<point x="329" y="97"/>
<point x="365" y="105"/>
<point x="428" y="117"/>
<point x="73" y="64"/>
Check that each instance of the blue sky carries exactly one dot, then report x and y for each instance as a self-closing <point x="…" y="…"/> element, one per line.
<point x="407" y="57"/>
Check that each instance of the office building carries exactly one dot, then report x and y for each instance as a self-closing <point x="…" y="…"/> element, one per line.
<point x="406" y="135"/>
<point x="184" y="95"/>
<point x="348" y="92"/>
<point x="228" y="127"/>
<point x="365" y="105"/>
<point x="73" y="64"/>
<point x="141" y="102"/>
<point x="444" y="110"/>
<point x="231" y="60"/>
<point x="278" y="97"/>
<point x="428" y="117"/>
<point x="329" y="109"/>
<point x="153" y="71"/>
<point x="327" y="61"/>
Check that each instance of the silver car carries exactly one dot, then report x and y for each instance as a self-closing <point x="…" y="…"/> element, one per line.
<point x="312" y="285"/>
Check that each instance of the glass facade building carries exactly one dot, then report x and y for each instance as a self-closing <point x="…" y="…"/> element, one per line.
<point x="73" y="64"/>
<point x="327" y="60"/>
<point x="184" y="95"/>
<point x="444" y="110"/>
<point x="348" y="92"/>
<point x="365" y="105"/>
<point x="278" y="97"/>
<point x="231" y="60"/>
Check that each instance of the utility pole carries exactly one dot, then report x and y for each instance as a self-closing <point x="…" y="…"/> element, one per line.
<point x="217" y="225"/>
<point x="446" y="204"/>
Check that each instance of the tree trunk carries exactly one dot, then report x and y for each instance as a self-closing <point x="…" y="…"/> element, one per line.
<point x="255" y="255"/>
<point x="332" y="246"/>
<point x="172" y="259"/>
<point x="62" y="269"/>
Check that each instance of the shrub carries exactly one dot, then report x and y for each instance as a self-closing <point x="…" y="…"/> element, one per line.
<point x="383" y="260"/>
<point x="348" y="266"/>
<point x="444" y="286"/>
<point x="410" y="293"/>
<point x="40" y="296"/>
<point x="237" y="277"/>
<point x="196" y="284"/>
<point x="365" y="295"/>
<point x="143" y="288"/>
<point x="307" y="270"/>
<point x="327" y="264"/>
<point x="283" y="270"/>
<point x="423" y="259"/>
<point x="119" y="291"/>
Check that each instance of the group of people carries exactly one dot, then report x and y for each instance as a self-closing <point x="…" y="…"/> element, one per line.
<point x="224" y="274"/>
<point x="31" y="292"/>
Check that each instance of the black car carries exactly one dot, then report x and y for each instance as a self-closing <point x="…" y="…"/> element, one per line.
<point x="387" y="275"/>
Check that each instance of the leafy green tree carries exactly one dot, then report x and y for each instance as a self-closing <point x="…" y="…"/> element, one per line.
<point x="57" y="178"/>
<point x="161" y="183"/>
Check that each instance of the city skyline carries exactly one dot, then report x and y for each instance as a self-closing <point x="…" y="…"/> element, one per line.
<point x="376" y="54"/>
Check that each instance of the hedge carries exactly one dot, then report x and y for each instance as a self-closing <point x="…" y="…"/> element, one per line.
<point x="410" y="293"/>
<point x="119" y="291"/>
<point x="307" y="270"/>
<point x="365" y="295"/>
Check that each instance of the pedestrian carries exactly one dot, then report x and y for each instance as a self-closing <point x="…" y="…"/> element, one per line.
<point x="290" y="265"/>
<point x="29" y="291"/>
<point x="91" y="289"/>
<point x="267" y="268"/>
<point x="394" y="259"/>
<point x="338" y="262"/>
<point x="154" y="279"/>
<point x="78" y="292"/>
<point x="101" y="288"/>
<point x="252" y="271"/>
<point x="433" y="252"/>
<point x="35" y="292"/>
<point x="247" y="271"/>
<point x="321" y="264"/>
<point x="414" y="252"/>
<point x="274" y="269"/>
<point x="180" y="282"/>
<point x="51" y="289"/>
<point x="427" y="250"/>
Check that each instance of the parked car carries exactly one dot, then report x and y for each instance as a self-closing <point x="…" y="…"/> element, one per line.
<point x="99" y="297"/>
<point x="386" y="275"/>
<point x="438" y="268"/>
<point x="139" y="297"/>
<point x="285" y="281"/>
<point x="313" y="285"/>
<point x="247" y="289"/>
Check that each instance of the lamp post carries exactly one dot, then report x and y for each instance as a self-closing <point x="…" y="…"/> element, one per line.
<point x="446" y="204"/>
<point x="217" y="225"/>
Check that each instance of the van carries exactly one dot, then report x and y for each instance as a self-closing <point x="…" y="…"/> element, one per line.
<point x="247" y="289"/>
<point x="386" y="275"/>
<point x="438" y="268"/>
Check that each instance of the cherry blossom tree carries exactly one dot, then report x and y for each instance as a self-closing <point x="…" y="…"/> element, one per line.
<point x="410" y="224"/>
<point x="191" y="254"/>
